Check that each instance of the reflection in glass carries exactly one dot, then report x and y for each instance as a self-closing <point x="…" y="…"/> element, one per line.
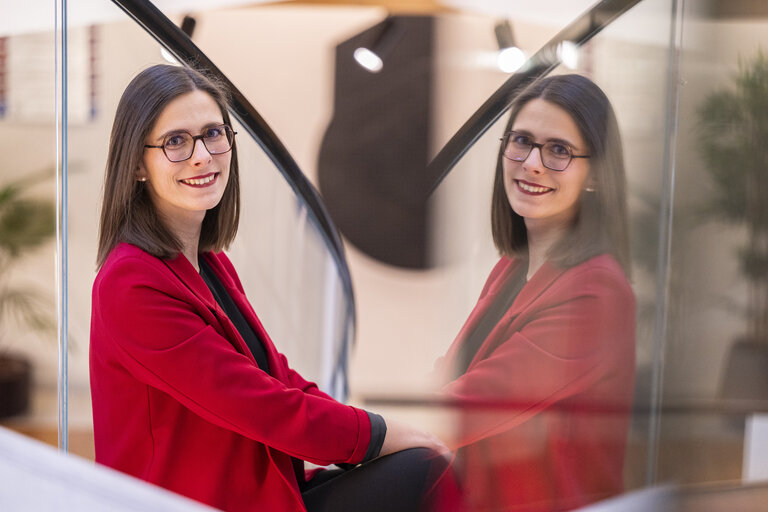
<point x="544" y="366"/>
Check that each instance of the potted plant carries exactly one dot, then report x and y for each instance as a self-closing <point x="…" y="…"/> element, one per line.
<point x="25" y="224"/>
<point x="734" y="129"/>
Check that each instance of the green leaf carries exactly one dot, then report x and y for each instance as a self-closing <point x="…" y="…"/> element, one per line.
<point x="25" y="224"/>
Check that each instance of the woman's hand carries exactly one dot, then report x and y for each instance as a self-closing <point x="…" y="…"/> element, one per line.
<point x="401" y="436"/>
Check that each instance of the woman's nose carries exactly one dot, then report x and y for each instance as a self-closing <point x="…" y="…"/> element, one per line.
<point x="200" y="153"/>
<point x="533" y="161"/>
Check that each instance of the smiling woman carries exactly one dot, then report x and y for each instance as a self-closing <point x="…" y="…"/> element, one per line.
<point x="142" y="183"/>
<point x="186" y="179"/>
<point x="548" y="201"/>
<point x="544" y="365"/>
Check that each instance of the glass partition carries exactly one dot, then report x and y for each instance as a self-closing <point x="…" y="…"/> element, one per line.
<point x="687" y="80"/>
<point x="689" y="86"/>
<point x="714" y="408"/>
<point x="630" y="61"/>
<point x="30" y="124"/>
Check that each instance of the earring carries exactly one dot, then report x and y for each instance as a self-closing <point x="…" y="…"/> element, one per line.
<point x="142" y="179"/>
<point x="589" y="189"/>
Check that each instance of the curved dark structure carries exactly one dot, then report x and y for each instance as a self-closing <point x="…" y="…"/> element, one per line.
<point x="176" y="41"/>
<point x="181" y="46"/>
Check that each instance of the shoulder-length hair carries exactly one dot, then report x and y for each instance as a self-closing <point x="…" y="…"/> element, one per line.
<point x="127" y="212"/>
<point x="601" y="222"/>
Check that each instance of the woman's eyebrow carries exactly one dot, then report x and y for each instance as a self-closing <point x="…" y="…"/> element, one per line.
<point x="175" y="131"/>
<point x="171" y="132"/>
<point x="551" y="139"/>
<point x="563" y="141"/>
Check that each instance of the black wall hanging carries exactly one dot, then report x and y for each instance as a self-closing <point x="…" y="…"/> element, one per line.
<point x="375" y="150"/>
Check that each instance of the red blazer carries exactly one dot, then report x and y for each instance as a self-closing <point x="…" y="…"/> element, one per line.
<point x="546" y="399"/>
<point x="179" y="401"/>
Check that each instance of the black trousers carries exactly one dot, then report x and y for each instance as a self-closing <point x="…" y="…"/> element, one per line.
<point x="394" y="483"/>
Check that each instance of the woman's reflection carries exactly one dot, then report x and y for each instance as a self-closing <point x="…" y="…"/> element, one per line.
<point x="544" y="366"/>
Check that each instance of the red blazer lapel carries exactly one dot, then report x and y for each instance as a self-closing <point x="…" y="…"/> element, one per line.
<point x="539" y="283"/>
<point x="187" y="274"/>
<point x="501" y="272"/>
<point x="228" y="280"/>
<point x="515" y="317"/>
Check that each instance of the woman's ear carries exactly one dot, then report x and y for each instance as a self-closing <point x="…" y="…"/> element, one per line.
<point x="589" y="185"/>
<point x="141" y="173"/>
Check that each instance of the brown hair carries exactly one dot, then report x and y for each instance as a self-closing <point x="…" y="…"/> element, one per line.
<point x="127" y="212"/>
<point x="601" y="223"/>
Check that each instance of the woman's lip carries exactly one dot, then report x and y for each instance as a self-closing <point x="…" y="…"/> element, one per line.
<point x="203" y="180"/>
<point x="200" y="177"/>
<point x="532" y="189"/>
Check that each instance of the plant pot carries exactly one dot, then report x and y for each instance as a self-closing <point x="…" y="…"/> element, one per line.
<point x="15" y="383"/>
<point x="746" y="371"/>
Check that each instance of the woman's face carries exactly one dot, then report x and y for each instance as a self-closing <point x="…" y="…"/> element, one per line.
<point x="543" y="197"/>
<point x="183" y="191"/>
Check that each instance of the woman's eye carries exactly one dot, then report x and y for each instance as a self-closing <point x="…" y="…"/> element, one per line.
<point x="214" y="132"/>
<point x="175" y="141"/>
<point x="558" y="149"/>
<point x="520" y="140"/>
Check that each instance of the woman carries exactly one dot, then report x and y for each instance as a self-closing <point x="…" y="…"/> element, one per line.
<point x="544" y="366"/>
<point x="189" y="393"/>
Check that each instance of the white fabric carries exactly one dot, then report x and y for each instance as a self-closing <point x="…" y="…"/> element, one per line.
<point x="37" y="477"/>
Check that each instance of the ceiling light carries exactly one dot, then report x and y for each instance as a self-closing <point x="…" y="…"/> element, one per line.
<point x="510" y="58"/>
<point x="371" y="57"/>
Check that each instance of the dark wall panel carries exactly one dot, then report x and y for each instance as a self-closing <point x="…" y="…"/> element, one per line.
<point x="375" y="150"/>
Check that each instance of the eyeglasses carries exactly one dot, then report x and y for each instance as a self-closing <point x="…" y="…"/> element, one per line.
<point x="180" y="146"/>
<point x="555" y="156"/>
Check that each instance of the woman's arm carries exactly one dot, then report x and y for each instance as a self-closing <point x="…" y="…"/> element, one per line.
<point x="143" y="318"/>
<point x="296" y="380"/>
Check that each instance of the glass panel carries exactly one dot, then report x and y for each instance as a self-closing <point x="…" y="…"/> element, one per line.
<point x="105" y="51"/>
<point x="700" y="403"/>
<point x="716" y="360"/>
<point x="630" y="62"/>
<point x="639" y="92"/>
<point x="28" y="140"/>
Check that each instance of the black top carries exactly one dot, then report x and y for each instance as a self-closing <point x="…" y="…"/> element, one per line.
<point x="492" y="316"/>
<point x="256" y="346"/>
<point x="233" y="312"/>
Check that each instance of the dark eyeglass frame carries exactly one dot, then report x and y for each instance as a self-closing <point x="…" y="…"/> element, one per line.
<point x="505" y="143"/>
<point x="195" y="138"/>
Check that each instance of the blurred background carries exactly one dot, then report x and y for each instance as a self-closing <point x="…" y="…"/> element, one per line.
<point x="688" y="80"/>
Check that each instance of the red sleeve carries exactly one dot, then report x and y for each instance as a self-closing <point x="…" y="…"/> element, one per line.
<point x="159" y="337"/>
<point x="296" y="380"/>
<point x="574" y="338"/>
<point x="299" y="382"/>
